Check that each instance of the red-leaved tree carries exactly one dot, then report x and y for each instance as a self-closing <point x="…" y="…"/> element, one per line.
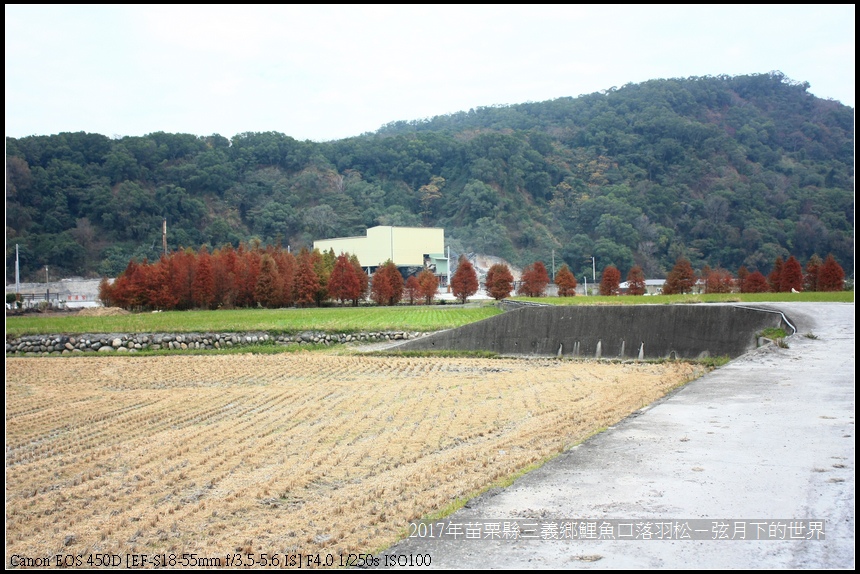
<point x="832" y="276"/>
<point x="636" y="281"/>
<point x="743" y="273"/>
<point x="792" y="275"/>
<point x="464" y="283"/>
<point x="681" y="279"/>
<point x="363" y="279"/>
<point x="813" y="270"/>
<point x="499" y="282"/>
<point x="610" y="280"/>
<point x="718" y="280"/>
<point x="387" y="285"/>
<point x="344" y="284"/>
<point x="774" y="279"/>
<point x="307" y="284"/>
<point x="203" y="284"/>
<point x="411" y="288"/>
<point x="566" y="282"/>
<point x="267" y="292"/>
<point x="755" y="282"/>
<point x="428" y="284"/>
<point x="534" y="280"/>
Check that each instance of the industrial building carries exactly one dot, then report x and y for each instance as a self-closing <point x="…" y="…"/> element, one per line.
<point x="410" y="248"/>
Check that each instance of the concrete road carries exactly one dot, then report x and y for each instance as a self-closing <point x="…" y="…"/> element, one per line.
<point x="768" y="436"/>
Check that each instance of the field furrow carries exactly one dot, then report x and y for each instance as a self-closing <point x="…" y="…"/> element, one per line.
<point x="283" y="453"/>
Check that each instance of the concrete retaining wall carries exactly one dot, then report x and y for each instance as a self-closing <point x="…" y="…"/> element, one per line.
<point x="623" y="331"/>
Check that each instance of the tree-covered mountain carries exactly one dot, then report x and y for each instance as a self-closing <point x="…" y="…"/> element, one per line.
<point x="726" y="171"/>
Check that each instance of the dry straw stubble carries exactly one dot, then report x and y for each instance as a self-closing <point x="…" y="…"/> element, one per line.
<point x="283" y="453"/>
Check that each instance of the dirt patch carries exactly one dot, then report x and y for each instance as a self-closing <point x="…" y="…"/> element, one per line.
<point x="102" y="312"/>
<point x="302" y="453"/>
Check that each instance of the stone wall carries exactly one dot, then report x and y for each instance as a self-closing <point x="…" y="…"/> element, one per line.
<point x="35" y="345"/>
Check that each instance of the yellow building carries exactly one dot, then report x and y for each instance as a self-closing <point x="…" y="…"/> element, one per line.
<point x="405" y="246"/>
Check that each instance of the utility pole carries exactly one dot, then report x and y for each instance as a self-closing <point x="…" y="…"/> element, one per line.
<point x="17" y="273"/>
<point x="593" y="271"/>
<point x="164" y="236"/>
<point x="553" y="265"/>
<point x="449" y="269"/>
<point x="47" y="286"/>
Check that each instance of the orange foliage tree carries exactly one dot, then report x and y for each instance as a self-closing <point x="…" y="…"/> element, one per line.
<point x="774" y="279"/>
<point x="268" y="291"/>
<point x="755" y="282"/>
<point x="635" y="281"/>
<point x="307" y="283"/>
<point x="534" y="280"/>
<point x="464" y="283"/>
<point x="792" y="275"/>
<point x="428" y="284"/>
<point x="813" y="269"/>
<point x="410" y="289"/>
<point x="610" y="280"/>
<point x="566" y="282"/>
<point x="743" y="273"/>
<point x="718" y="280"/>
<point x="363" y="279"/>
<point x="499" y="282"/>
<point x="203" y="283"/>
<point x="832" y="276"/>
<point x="681" y="279"/>
<point x="387" y="285"/>
<point x="344" y="283"/>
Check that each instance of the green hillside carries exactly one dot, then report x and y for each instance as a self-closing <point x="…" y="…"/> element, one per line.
<point x="727" y="171"/>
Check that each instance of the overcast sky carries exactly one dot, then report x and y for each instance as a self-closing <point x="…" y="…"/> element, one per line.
<point x="324" y="72"/>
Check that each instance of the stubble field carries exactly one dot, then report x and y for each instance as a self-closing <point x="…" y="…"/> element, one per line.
<point x="281" y="454"/>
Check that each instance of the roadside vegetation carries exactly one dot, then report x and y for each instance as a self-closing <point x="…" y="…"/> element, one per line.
<point x="809" y="297"/>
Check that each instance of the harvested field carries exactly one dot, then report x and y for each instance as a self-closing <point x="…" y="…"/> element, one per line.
<point x="309" y="453"/>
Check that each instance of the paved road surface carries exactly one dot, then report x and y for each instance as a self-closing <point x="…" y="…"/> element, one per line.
<point x="768" y="436"/>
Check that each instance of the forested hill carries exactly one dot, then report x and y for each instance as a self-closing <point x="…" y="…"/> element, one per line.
<point x="727" y="171"/>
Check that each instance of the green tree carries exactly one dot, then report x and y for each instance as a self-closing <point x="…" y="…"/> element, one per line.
<point x="430" y="193"/>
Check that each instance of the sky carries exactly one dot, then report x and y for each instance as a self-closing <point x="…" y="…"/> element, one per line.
<point x="325" y="72"/>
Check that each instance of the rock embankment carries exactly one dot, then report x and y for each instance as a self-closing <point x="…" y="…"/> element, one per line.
<point x="37" y="345"/>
